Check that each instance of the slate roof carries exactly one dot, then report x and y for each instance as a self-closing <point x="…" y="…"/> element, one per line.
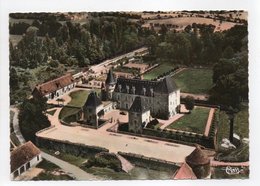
<point x="93" y="100"/>
<point x="185" y="172"/>
<point x="137" y="86"/>
<point x="139" y="105"/>
<point x="23" y="154"/>
<point x="197" y="157"/>
<point x="110" y="78"/>
<point x="53" y="85"/>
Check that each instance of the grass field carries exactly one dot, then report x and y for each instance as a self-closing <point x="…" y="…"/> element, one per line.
<point x="223" y="127"/>
<point x="47" y="174"/>
<point x="195" y="81"/>
<point x="75" y="160"/>
<point x="241" y="123"/>
<point x="182" y="22"/>
<point x="51" y="112"/>
<point x="158" y="71"/>
<point x="194" y="122"/>
<point x="78" y="99"/>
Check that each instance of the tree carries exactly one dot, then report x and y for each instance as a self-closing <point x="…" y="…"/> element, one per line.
<point x="228" y="53"/>
<point x="189" y="103"/>
<point x="32" y="117"/>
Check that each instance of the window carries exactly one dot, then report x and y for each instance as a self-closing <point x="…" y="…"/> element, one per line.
<point x="38" y="157"/>
<point x="28" y="165"/>
<point x="16" y="173"/>
<point x="21" y="169"/>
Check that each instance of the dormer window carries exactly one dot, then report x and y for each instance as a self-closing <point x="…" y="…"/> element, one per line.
<point x="144" y="91"/>
<point x="133" y="90"/>
<point x="151" y="92"/>
<point x="127" y="89"/>
<point x="119" y="88"/>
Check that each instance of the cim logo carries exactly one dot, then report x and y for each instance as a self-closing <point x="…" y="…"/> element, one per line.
<point x="233" y="170"/>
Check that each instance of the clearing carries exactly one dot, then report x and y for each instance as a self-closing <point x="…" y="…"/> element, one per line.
<point x="158" y="71"/>
<point x="195" y="81"/>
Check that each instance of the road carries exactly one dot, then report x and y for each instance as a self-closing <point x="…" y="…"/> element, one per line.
<point x="16" y="125"/>
<point x="215" y="163"/>
<point x="101" y="67"/>
<point x="78" y="173"/>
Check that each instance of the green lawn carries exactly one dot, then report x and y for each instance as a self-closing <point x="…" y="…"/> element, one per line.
<point x="223" y="127"/>
<point x="78" y="99"/>
<point x="75" y="160"/>
<point x="68" y="111"/>
<point x="194" y="122"/>
<point x="48" y="169"/>
<point x="241" y="123"/>
<point x="51" y="112"/>
<point x="158" y="71"/>
<point x="196" y="81"/>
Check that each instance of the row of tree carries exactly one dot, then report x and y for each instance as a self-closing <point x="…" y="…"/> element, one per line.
<point x="198" y="45"/>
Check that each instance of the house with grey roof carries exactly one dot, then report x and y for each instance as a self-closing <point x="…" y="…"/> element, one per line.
<point x="161" y="97"/>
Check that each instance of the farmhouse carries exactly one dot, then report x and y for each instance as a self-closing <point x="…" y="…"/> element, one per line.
<point x="23" y="158"/>
<point x="54" y="88"/>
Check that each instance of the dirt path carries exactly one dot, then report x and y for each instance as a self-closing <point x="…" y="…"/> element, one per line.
<point x="214" y="163"/>
<point x="16" y="125"/>
<point x="76" y="171"/>
<point x="209" y="121"/>
<point x="203" y="97"/>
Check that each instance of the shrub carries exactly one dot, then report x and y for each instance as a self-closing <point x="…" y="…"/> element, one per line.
<point x="105" y="160"/>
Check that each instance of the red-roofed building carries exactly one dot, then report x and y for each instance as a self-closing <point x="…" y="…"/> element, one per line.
<point x="54" y="88"/>
<point x="185" y="172"/>
<point x="23" y="158"/>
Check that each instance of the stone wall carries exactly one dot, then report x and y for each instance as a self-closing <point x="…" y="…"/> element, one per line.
<point x="76" y="149"/>
<point x="151" y="163"/>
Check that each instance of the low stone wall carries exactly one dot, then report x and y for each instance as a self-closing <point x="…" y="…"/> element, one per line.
<point x="182" y="137"/>
<point x="151" y="163"/>
<point x="76" y="149"/>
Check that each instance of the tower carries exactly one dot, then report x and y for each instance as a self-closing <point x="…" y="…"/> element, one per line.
<point x="199" y="162"/>
<point x="139" y="115"/>
<point x="103" y="92"/>
<point x="93" y="109"/>
<point x="110" y="85"/>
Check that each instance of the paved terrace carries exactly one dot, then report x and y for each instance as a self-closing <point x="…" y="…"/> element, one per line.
<point x="115" y="142"/>
<point x="119" y="142"/>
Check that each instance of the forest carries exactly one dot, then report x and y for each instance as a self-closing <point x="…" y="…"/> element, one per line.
<point x="52" y="45"/>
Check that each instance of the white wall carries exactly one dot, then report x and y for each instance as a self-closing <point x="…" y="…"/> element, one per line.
<point x="33" y="163"/>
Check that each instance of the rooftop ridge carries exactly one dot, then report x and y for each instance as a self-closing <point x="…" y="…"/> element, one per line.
<point x="53" y="80"/>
